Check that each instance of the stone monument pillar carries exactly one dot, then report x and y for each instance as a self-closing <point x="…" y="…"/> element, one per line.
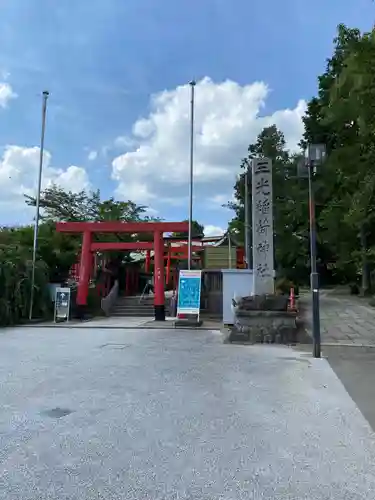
<point x="262" y="222"/>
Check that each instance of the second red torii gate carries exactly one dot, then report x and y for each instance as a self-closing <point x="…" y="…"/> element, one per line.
<point x="88" y="246"/>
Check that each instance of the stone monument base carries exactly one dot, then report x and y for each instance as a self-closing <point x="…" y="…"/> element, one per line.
<point x="273" y="327"/>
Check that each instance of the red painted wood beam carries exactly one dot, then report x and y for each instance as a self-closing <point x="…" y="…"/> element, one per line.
<point x="121" y="245"/>
<point x="183" y="249"/>
<point x="181" y="257"/>
<point x="122" y="227"/>
<point x="98" y="246"/>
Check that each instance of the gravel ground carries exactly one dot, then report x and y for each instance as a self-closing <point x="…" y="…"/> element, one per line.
<point x="137" y="414"/>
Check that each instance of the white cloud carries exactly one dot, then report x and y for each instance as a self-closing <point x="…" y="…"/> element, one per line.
<point x="152" y="212"/>
<point x="136" y="191"/>
<point x="213" y="230"/>
<point x="227" y="119"/>
<point x="218" y="200"/>
<point x="19" y="168"/>
<point x="124" y="142"/>
<point x="6" y="94"/>
<point x="92" y="155"/>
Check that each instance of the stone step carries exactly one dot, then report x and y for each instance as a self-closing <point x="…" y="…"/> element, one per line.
<point x="140" y="314"/>
<point x="130" y="309"/>
<point x="135" y="302"/>
<point x="135" y="306"/>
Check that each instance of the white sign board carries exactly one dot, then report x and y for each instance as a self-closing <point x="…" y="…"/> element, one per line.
<point x="62" y="304"/>
<point x="189" y="292"/>
<point x="262" y="211"/>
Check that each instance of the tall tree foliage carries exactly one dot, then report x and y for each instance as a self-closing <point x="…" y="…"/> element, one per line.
<point x="60" y="205"/>
<point x="197" y="229"/>
<point x="15" y="285"/>
<point x="342" y="116"/>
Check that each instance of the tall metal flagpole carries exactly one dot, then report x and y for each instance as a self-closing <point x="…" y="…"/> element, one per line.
<point x="192" y="86"/>
<point x="37" y="204"/>
<point x="246" y="208"/>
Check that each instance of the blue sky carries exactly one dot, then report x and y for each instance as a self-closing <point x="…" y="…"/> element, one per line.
<point x="117" y="72"/>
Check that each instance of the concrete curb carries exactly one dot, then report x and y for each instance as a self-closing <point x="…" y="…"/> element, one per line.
<point x="134" y="327"/>
<point x="338" y="344"/>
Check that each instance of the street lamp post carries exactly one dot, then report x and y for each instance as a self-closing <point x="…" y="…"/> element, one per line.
<point x="192" y="87"/>
<point x="315" y="157"/>
<point x="37" y="202"/>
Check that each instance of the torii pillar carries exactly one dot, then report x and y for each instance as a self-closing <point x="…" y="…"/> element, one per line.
<point x="159" y="299"/>
<point x="84" y="269"/>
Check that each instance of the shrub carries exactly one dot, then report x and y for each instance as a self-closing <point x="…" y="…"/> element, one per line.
<point x="15" y="286"/>
<point x="283" y="286"/>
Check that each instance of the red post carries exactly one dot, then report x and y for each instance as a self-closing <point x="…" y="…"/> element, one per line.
<point x="159" y="305"/>
<point x="95" y="264"/>
<point x="168" y="265"/>
<point x="148" y="261"/>
<point x="84" y="270"/>
<point x="127" y="281"/>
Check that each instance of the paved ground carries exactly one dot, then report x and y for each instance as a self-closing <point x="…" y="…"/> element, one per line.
<point x="348" y="337"/>
<point x="169" y="414"/>
<point x="99" y="322"/>
<point x="355" y="366"/>
<point x="119" y="322"/>
<point x="344" y="319"/>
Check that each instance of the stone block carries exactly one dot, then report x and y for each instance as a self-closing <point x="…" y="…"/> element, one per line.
<point x="263" y="303"/>
<point x="264" y="327"/>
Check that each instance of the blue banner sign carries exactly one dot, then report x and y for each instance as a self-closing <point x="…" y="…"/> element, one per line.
<point x="189" y="292"/>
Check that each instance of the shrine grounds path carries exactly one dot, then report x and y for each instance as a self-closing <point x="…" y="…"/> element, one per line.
<point x="174" y="414"/>
<point x="348" y="344"/>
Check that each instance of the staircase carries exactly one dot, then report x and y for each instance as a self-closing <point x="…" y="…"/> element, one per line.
<point x="131" y="306"/>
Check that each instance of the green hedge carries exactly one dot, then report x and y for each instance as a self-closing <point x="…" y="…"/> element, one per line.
<point x="15" y="287"/>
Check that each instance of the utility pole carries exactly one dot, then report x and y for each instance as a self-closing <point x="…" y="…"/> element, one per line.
<point x="37" y="204"/>
<point x="191" y="178"/>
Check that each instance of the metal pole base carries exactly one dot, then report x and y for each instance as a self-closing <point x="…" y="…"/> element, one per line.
<point x="315" y="315"/>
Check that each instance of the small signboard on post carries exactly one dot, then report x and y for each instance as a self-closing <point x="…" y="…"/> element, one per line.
<point x="62" y="304"/>
<point x="189" y="294"/>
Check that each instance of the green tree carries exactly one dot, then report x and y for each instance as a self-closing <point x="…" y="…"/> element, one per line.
<point x="342" y="116"/>
<point x="196" y="229"/>
<point x="57" y="250"/>
<point x="15" y="281"/>
<point x="60" y="205"/>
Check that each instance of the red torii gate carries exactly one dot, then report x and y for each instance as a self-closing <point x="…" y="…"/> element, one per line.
<point x="88" y="247"/>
